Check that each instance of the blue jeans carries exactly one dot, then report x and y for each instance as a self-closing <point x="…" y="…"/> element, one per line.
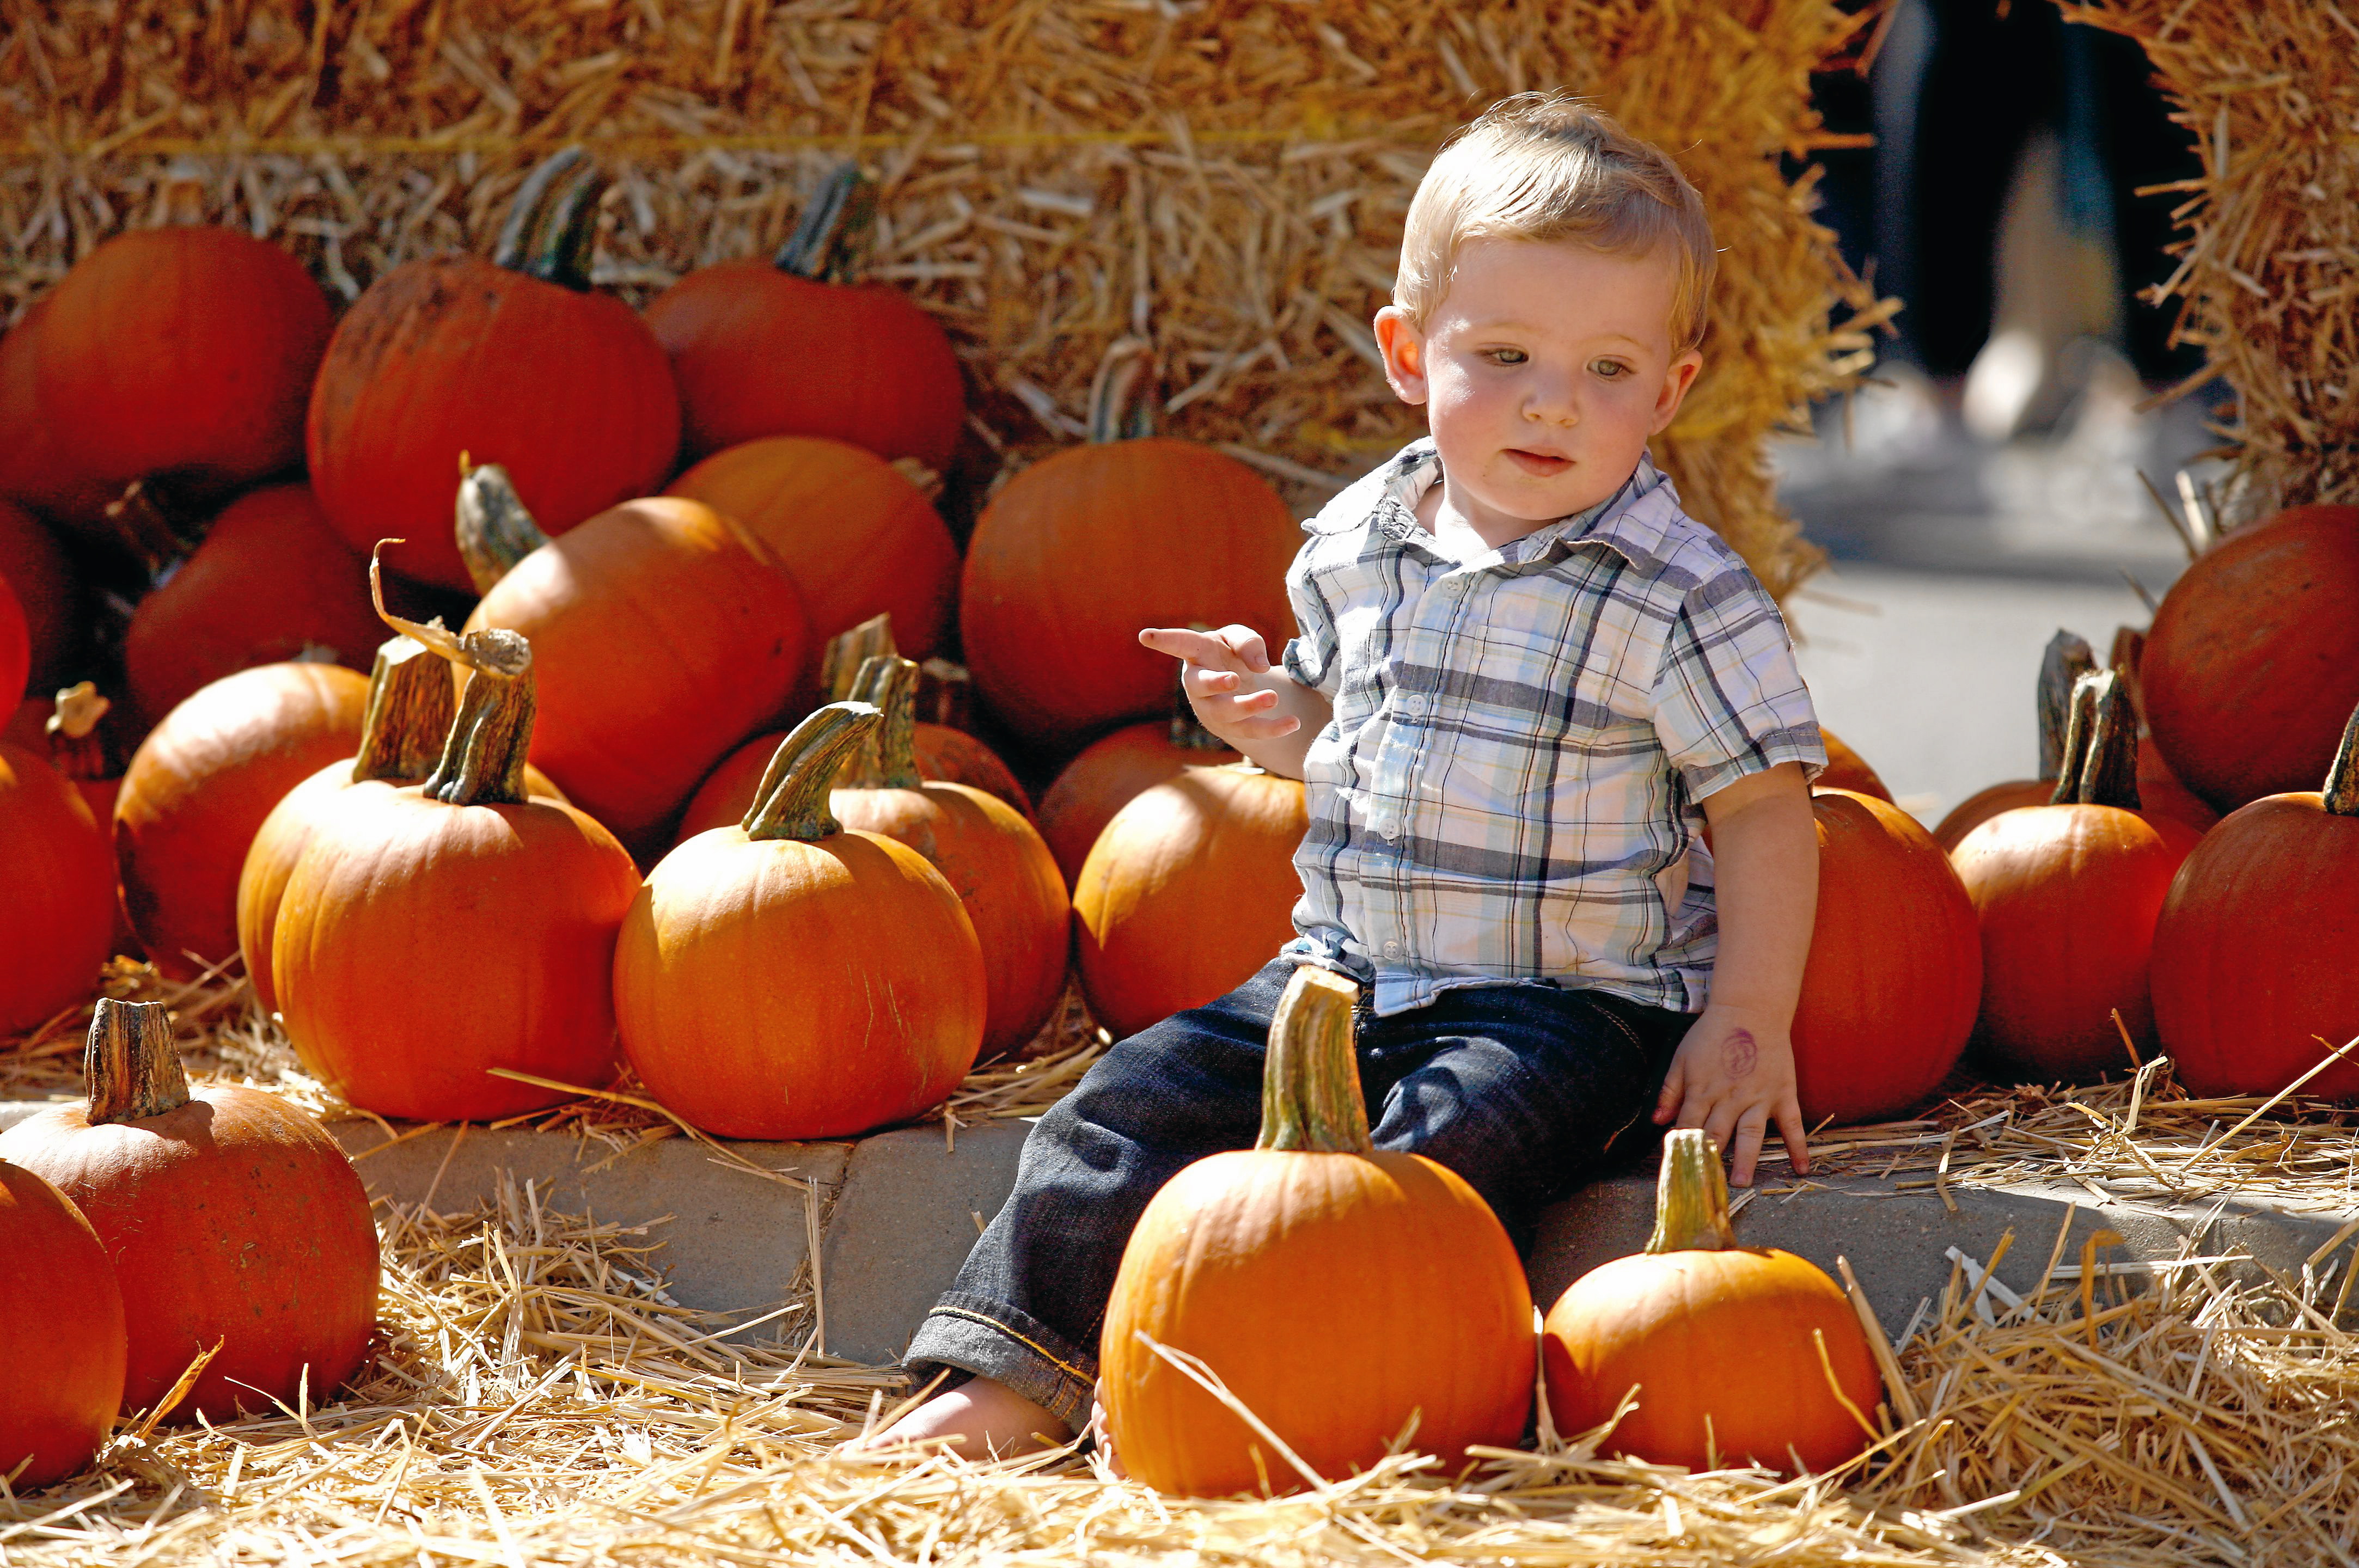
<point x="1525" y="1090"/>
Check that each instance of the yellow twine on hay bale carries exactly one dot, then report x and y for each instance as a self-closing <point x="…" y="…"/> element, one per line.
<point x="1226" y="182"/>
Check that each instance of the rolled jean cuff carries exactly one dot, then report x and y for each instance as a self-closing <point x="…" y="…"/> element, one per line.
<point x="991" y="1339"/>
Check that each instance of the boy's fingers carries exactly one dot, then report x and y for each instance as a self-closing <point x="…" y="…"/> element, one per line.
<point x="1667" y="1104"/>
<point x="1796" y="1135"/>
<point x="1749" y="1128"/>
<point x="1246" y="643"/>
<point x="1196" y="647"/>
<point x="1263" y="729"/>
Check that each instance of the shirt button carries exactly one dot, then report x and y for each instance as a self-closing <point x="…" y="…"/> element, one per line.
<point x="1390" y="827"/>
<point x="1393" y="951"/>
<point x="1414" y="706"/>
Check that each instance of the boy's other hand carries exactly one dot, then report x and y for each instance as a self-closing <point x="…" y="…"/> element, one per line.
<point x="1732" y="1075"/>
<point x="1220" y="684"/>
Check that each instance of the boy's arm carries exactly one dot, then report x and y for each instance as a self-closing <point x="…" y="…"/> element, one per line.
<point x="1238" y="696"/>
<point x="1733" y="1074"/>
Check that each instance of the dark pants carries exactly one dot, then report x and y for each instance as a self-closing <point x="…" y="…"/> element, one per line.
<point x="1524" y="1090"/>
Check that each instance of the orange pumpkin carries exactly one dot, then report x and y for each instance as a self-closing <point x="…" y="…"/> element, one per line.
<point x="661" y="636"/>
<point x="513" y="360"/>
<point x="15" y="646"/>
<point x="46" y="591"/>
<point x="1417" y="1291"/>
<point x="986" y="849"/>
<point x="1846" y="768"/>
<point x="34" y="473"/>
<point x="2066" y="659"/>
<point x="1115" y="770"/>
<point x="1732" y="1354"/>
<point x="1190" y="890"/>
<point x="232" y="1217"/>
<point x="2253" y="951"/>
<point x="1895" y="973"/>
<point x="72" y="733"/>
<point x="788" y="979"/>
<point x="2161" y="794"/>
<point x="870" y="367"/>
<point x="510" y="903"/>
<point x="61" y="1339"/>
<point x="57" y="917"/>
<point x="199" y="787"/>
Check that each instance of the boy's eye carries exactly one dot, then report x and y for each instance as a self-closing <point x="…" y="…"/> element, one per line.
<point x="1610" y="369"/>
<point x="1508" y="356"/>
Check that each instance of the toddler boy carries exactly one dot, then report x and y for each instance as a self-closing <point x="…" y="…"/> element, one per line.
<point x="1525" y="683"/>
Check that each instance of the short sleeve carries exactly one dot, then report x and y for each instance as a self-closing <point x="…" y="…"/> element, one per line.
<point x="1729" y="698"/>
<point x="1310" y="656"/>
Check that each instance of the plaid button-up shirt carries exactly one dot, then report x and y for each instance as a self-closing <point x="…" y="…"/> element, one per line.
<point x="1508" y="789"/>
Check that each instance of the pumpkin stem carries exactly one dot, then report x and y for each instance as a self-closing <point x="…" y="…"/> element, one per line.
<point x="1690" y="1196"/>
<point x="496" y="530"/>
<point x="154" y="526"/>
<point x="2079" y="729"/>
<point x="1310" y="1099"/>
<point x="552" y="225"/>
<point x="411" y="701"/>
<point x="847" y="651"/>
<point x="1122" y="401"/>
<point x="831" y="242"/>
<point x="2342" y="779"/>
<point x="2066" y="659"/>
<point x="945" y="694"/>
<point x="75" y="749"/>
<point x="888" y="758"/>
<point x="483" y="760"/>
<point x="129" y="1064"/>
<point x="792" y="800"/>
<point x="2109" y="773"/>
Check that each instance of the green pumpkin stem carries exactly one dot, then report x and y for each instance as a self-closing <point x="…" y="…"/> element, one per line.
<point x="130" y="1066"/>
<point x="1310" y="1099"/>
<point x="2079" y="729"/>
<point x="829" y="245"/>
<point x="2109" y="771"/>
<point x="2342" y="779"/>
<point x="495" y="528"/>
<point x="2066" y="659"/>
<point x="411" y="702"/>
<point x="792" y="800"/>
<point x="483" y="760"/>
<point x="888" y="758"/>
<point x="1690" y="1196"/>
<point x="847" y="651"/>
<point x="1121" y="397"/>
<point x="552" y="225"/>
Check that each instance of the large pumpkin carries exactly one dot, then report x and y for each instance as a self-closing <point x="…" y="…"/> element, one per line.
<point x="856" y="537"/>
<point x="1846" y="768"/>
<point x="185" y="351"/>
<point x="789" y="978"/>
<point x="61" y="1339"/>
<point x="232" y="1217"/>
<point x="1115" y="770"/>
<point x="2067" y="658"/>
<point x="1895" y="973"/>
<point x="1190" y="890"/>
<point x="2253" y="980"/>
<point x="662" y="635"/>
<point x="1337" y="1292"/>
<point x="57" y="912"/>
<point x="868" y="366"/>
<point x="46" y="590"/>
<point x="15" y="646"/>
<point x="2251" y="666"/>
<point x="34" y="473"/>
<point x="199" y="787"/>
<point x="514" y="360"/>
<point x="271" y="581"/>
<point x="1730" y="1355"/>
<point x="430" y="934"/>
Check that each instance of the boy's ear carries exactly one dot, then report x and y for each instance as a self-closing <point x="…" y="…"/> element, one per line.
<point x="1403" y="347"/>
<point x="1677" y="381"/>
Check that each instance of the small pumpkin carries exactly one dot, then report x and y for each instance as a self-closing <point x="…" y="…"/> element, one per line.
<point x="2254" y="981"/>
<point x="56" y="914"/>
<point x="513" y="359"/>
<point x="1190" y="890"/>
<point x="509" y="902"/>
<point x="232" y="1217"/>
<point x="2067" y="658"/>
<point x="789" y="978"/>
<point x="63" y="1345"/>
<point x="1846" y="768"/>
<point x="74" y="734"/>
<point x="793" y="347"/>
<point x="1312" y="1249"/>
<point x="1115" y="770"/>
<point x="46" y="590"/>
<point x="1732" y="1354"/>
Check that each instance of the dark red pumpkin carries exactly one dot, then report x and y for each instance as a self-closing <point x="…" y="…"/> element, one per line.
<point x="1846" y="768"/>
<point x="34" y="473"/>
<point x="61" y="1339"/>
<point x="512" y="360"/>
<point x="46" y="590"/>
<point x="57" y="893"/>
<point x="2067" y="658"/>
<point x="16" y="647"/>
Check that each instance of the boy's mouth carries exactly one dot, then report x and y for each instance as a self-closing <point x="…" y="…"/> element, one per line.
<point x="1541" y="465"/>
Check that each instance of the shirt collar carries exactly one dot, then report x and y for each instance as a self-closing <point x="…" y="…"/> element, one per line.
<point x="1632" y="521"/>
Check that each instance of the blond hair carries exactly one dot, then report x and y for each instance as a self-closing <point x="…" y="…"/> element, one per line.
<point x="1546" y="167"/>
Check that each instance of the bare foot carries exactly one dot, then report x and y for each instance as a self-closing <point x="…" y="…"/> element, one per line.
<point x="979" y="1420"/>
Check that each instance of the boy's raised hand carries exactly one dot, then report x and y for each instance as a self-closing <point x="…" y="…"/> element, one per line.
<point x="1734" y="1076"/>
<point x="1227" y="681"/>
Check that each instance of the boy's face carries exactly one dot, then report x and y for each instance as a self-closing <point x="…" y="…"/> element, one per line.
<point x="1543" y="372"/>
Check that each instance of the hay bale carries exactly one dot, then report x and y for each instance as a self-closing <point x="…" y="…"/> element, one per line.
<point x="1226" y="182"/>
<point x="2269" y="274"/>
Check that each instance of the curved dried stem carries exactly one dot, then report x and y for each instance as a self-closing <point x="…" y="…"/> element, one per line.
<point x="792" y="800"/>
<point x="1310" y="1099"/>
<point x="1690" y="1196"/>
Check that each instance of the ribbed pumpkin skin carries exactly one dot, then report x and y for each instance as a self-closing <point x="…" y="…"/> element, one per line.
<point x="270" y="580"/>
<point x="787" y="989"/>
<point x="57" y="912"/>
<point x="235" y="1217"/>
<point x="1190" y="890"/>
<point x="1895" y="975"/>
<point x="661" y="637"/>
<point x="2067" y="897"/>
<point x="512" y="910"/>
<point x="1109" y="774"/>
<point x="956" y="757"/>
<point x="1846" y="768"/>
<point x="46" y="590"/>
<point x="2249" y="671"/>
<point x="568" y="392"/>
<point x="1721" y="1334"/>
<point x="870" y="367"/>
<point x="855" y="536"/>
<point x="1390" y="1273"/>
<point x="1983" y="805"/>
<point x="61" y="1338"/>
<point x="2253" y="952"/>
<point x="34" y="472"/>
<point x="1080" y="551"/>
<point x="183" y="351"/>
<point x="199" y="787"/>
<point x="950" y="756"/>
<point x="993" y="860"/>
